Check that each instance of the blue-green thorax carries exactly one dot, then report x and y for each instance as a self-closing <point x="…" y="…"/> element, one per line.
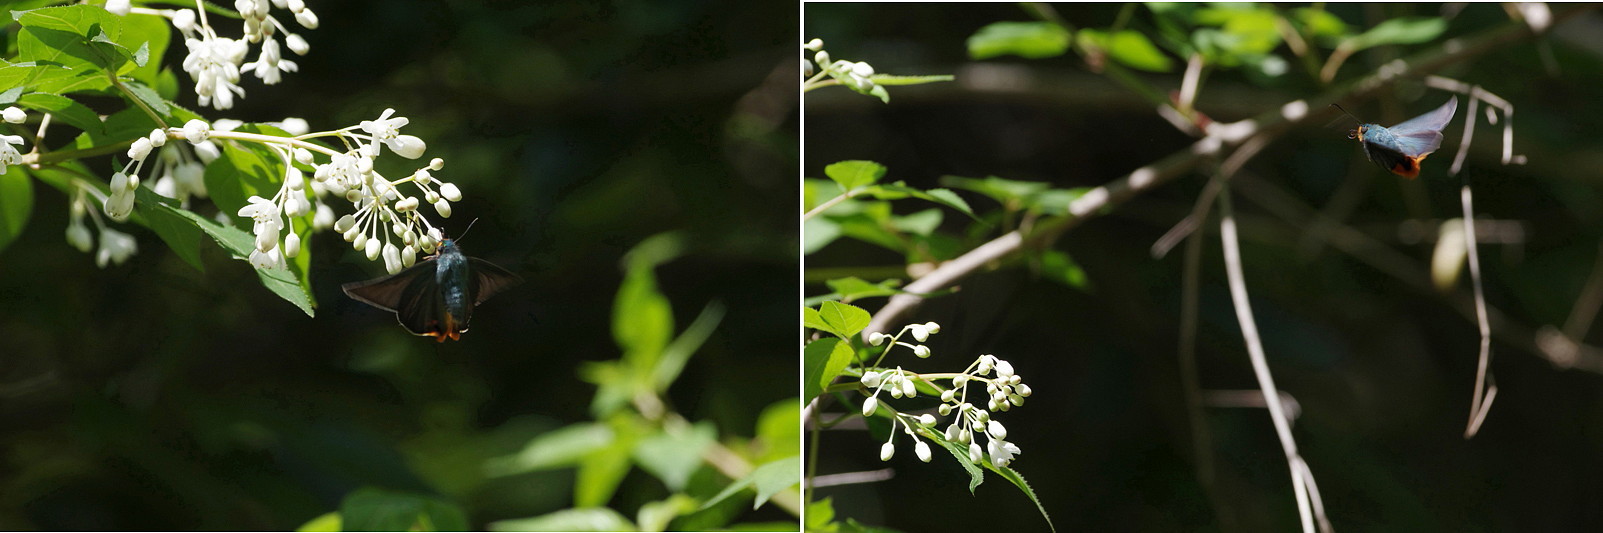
<point x="454" y="277"/>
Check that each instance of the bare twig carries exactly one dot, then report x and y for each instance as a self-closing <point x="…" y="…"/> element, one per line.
<point x="1270" y="123"/>
<point x="1301" y="478"/>
<point x="851" y="478"/>
<point x="1484" y="383"/>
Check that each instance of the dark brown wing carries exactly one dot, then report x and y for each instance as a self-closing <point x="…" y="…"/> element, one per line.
<point x="385" y="293"/>
<point x="489" y="279"/>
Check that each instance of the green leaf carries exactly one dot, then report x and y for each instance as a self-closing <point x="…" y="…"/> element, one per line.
<point x="64" y="109"/>
<point x="642" y="318"/>
<point x="823" y="360"/>
<point x="899" y="190"/>
<point x="976" y="476"/>
<point x="810" y="319"/>
<point x="1005" y="191"/>
<point x="845" y="320"/>
<point x="818" y="232"/>
<point x="324" y="522"/>
<point x="147" y="95"/>
<point x="921" y="223"/>
<point x="1030" y="40"/>
<point x="769" y="479"/>
<point x="151" y="34"/>
<point x="1405" y="30"/>
<point x="602" y="470"/>
<point x="1130" y="47"/>
<point x="1018" y="481"/>
<point x="235" y="176"/>
<point x="587" y="519"/>
<point x="779" y="430"/>
<point x="678" y="352"/>
<point x="853" y="174"/>
<point x="16" y="203"/>
<point x="555" y="449"/>
<point x="68" y="35"/>
<point x="655" y="516"/>
<point x="371" y="509"/>
<point x="820" y="515"/>
<point x="1320" y="24"/>
<point x="891" y="79"/>
<point x="672" y="457"/>
<point x="855" y="288"/>
<point x="155" y="211"/>
<point x="238" y="242"/>
<point x="1058" y="266"/>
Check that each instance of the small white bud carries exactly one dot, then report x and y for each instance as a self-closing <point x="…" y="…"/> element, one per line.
<point x="919" y="332"/>
<point x="450" y="192"/>
<point x="953" y="431"/>
<point x="158" y="137"/>
<point x="184" y="20"/>
<point x="408" y="256"/>
<point x="443" y="207"/>
<point x="870" y="405"/>
<point x="140" y="149"/>
<point x="926" y="419"/>
<point x="292" y="245"/>
<point x="944" y="409"/>
<point x="870" y="379"/>
<point x="14" y="115"/>
<point x="118" y="7"/>
<point x="996" y="430"/>
<point x="886" y="451"/>
<point x="876" y="338"/>
<point x="815" y="45"/>
<point x="359" y="243"/>
<point x="921" y="351"/>
<point x="822" y="58"/>
<point x="948" y="395"/>
<point x="373" y="248"/>
<point x="1023" y="390"/>
<point x="1016" y="400"/>
<point x="922" y="450"/>
<point x="307" y="18"/>
<point x="79" y="237"/>
<point x="960" y="380"/>
<point x="863" y="69"/>
<point x="1003" y="368"/>
<point x="908" y="389"/>
<point x="933" y="327"/>
<point x="975" y="453"/>
<point x="345" y="223"/>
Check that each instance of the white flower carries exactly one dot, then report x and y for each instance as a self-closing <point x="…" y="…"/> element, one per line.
<point x="271" y="260"/>
<point x="1002" y="452"/>
<point x="117" y="7"/>
<point x="14" y="115"/>
<point x="385" y="128"/>
<point x="996" y="430"/>
<point x="120" y="203"/>
<point x="886" y="451"/>
<point x="270" y="64"/>
<point x="922" y="449"/>
<point x="140" y="149"/>
<point x="79" y="237"/>
<point x="450" y="192"/>
<point x="196" y="131"/>
<point x="324" y="218"/>
<point x="184" y="20"/>
<point x="208" y="151"/>
<point x="213" y="62"/>
<point x="264" y="213"/>
<point x="8" y="153"/>
<point x="115" y="247"/>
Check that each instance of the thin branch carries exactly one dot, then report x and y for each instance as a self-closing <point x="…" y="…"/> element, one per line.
<point x="1484" y="383"/>
<point x="851" y="478"/>
<point x="1122" y="189"/>
<point x="1301" y="478"/>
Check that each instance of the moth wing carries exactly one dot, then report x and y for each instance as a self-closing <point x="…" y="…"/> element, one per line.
<point x="421" y="306"/>
<point x="385" y="293"/>
<point x="489" y="279"/>
<point x="1423" y="134"/>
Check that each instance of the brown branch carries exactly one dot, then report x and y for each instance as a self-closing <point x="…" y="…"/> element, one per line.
<point x="1270" y="124"/>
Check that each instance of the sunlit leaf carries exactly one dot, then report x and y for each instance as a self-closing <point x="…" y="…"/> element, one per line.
<point x="853" y="174"/>
<point x="555" y="449"/>
<point x="1405" y="30"/>
<point x="1031" y="40"/>
<point x="672" y="457"/>
<point x="845" y="320"/>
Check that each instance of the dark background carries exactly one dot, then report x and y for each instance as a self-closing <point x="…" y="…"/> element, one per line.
<point x="149" y="396"/>
<point x="1382" y="369"/>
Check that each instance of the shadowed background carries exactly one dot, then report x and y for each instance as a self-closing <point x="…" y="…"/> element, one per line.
<point x="1382" y="368"/>
<point x="149" y="396"/>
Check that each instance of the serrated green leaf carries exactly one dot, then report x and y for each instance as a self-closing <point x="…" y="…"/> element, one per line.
<point x="1018" y="481"/>
<point x="1005" y="191"/>
<point x="853" y="174"/>
<point x="584" y="519"/>
<point x="845" y="320"/>
<point x="149" y="97"/>
<point x="1405" y="30"/>
<point x="899" y="190"/>
<point x="976" y="476"/>
<point x="149" y="33"/>
<point x="810" y="319"/>
<point x="1030" y="40"/>
<point x="64" y="109"/>
<point x="16" y="203"/>
<point x="287" y="284"/>
<point x="155" y="211"/>
<point x="769" y="478"/>
<point x="371" y="509"/>
<point x="815" y="361"/>
<point x="855" y="288"/>
<point x="67" y="35"/>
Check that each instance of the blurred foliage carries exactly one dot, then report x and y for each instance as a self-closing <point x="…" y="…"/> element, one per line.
<point x="152" y="396"/>
<point x="1380" y="363"/>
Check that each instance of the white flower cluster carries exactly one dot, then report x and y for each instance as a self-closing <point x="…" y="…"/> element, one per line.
<point x="385" y="222"/>
<point x="1004" y="391"/>
<point x="215" y="62"/>
<point x="856" y="75"/>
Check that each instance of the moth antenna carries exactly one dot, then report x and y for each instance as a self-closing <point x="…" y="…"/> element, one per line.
<point x="1344" y="111"/>
<point x="465" y="231"/>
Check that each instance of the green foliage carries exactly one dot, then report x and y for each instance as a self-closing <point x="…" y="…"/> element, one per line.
<point x="1031" y="40"/>
<point x="1130" y="47"/>
<point x="16" y="204"/>
<point x="370" y="509"/>
<point x="1404" y="30"/>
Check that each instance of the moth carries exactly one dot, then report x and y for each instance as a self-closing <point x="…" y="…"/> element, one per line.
<point x="1400" y="148"/>
<point x="436" y="296"/>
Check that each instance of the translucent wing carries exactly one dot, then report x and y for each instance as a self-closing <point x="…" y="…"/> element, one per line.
<point x="1423" y="134"/>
